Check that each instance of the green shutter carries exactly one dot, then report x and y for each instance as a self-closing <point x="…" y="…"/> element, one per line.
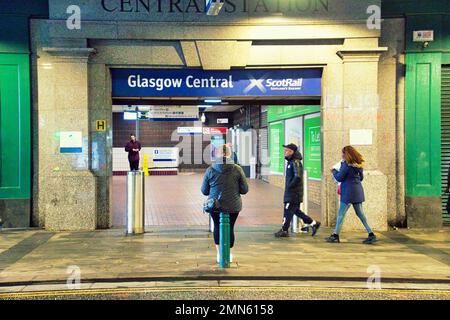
<point x="445" y="137"/>
<point x="422" y="118"/>
<point x="15" y="176"/>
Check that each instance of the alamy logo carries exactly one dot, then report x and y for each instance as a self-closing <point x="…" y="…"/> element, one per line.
<point x="374" y="20"/>
<point x="74" y="279"/>
<point x="73" y="22"/>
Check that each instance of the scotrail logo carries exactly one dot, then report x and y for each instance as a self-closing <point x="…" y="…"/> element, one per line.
<point x="264" y="84"/>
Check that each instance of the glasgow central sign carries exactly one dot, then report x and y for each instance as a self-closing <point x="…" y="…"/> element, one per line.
<point x="205" y="83"/>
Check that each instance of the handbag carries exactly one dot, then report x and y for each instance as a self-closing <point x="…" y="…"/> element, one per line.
<point x="211" y="205"/>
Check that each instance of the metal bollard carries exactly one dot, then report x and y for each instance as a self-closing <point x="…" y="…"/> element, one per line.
<point x="224" y="240"/>
<point x="135" y="202"/>
<point x="296" y="225"/>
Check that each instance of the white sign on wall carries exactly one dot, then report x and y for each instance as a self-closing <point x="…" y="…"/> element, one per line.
<point x="164" y="157"/>
<point x="361" y="137"/>
<point x="423" y="35"/>
<point x="170" y="113"/>
<point x="189" y="130"/>
<point x="70" y="142"/>
<point x="222" y="120"/>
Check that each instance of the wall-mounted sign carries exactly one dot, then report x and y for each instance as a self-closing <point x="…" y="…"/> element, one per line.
<point x="423" y="35"/>
<point x="277" y="113"/>
<point x="163" y="157"/>
<point x="213" y="83"/>
<point x="361" y="137"/>
<point x="222" y="121"/>
<point x="276" y="141"/>
<point x="170" y="113"/>
<point x="212" y="131"/>
<point x="100" y="125"/>
<point x="313" y="150"/>
<point x="70" y="142"/>
<point x="182" y="131"/>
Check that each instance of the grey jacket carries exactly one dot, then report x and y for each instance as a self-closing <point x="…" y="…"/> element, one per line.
<point x="225" y="182"/>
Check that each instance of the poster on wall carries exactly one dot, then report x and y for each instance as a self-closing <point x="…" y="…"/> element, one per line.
<point x="294" y="132"/>
<point x="276" y="141"/>
<point x="313" y="153"/>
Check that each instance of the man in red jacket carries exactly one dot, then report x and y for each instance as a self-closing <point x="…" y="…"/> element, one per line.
<point x="133" y="147"/>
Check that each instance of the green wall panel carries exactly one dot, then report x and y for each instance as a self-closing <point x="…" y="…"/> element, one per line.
<point x="14" y="126"/>
<point x="422" y="123"/>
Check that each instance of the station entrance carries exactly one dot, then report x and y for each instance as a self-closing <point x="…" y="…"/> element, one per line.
<point x="179" y="135"/>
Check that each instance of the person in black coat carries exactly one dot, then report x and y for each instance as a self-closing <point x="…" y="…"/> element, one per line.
<point x="226" y="182"/>
<point x="350" y="176"/>
<point x="293" y="192"/>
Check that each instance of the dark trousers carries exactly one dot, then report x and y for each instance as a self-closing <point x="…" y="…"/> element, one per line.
<point x="289" y="210"/>
<point x="216" y="219"/>
<point x="134" y="165"/>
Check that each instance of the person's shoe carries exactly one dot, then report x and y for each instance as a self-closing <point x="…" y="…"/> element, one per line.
<point x="218" y="258"/>
<point x="315" y="228"/>
<point x="305" y="229"/>
<point x="370" y="239"/>
<point x="231" y="257"/>
<point x="333" y="238"/>
<point x="282" y="234"/>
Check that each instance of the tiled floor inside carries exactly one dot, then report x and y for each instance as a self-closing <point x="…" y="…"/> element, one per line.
<point x="177" y="200"/>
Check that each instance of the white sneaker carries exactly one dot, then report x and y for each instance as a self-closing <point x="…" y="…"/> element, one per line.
<point x="231" y="257"/>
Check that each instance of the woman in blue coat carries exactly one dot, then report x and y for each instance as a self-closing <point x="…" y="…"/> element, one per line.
<point x="350" y="176"/>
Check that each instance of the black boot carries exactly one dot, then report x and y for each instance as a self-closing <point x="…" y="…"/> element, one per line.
<point x="333" y="238"/>
<point x="370" y="239"/>
<point x="281" y="234"/>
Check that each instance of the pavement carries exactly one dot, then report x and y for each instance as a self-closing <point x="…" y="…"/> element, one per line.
<point x="262" y="205"/>
<point x="173" y="262"/>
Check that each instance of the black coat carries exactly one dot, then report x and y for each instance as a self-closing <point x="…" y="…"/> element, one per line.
<point x="225" y="182"/>
<point x="293" y="190"/>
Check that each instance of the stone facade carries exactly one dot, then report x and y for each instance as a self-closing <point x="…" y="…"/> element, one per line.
<point x="73" y="89"/>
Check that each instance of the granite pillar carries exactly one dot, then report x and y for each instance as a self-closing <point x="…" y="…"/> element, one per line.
<point x="67" y="187"/>
<point x="351" y="103"/>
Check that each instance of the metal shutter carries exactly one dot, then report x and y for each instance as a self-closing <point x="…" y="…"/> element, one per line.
<point x="445" y="142"/>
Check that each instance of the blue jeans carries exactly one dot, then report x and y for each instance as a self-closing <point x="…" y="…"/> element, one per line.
<point x="359" y="212"/>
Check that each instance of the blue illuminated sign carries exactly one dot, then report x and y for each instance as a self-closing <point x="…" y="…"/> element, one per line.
<point x="204" y="83"/>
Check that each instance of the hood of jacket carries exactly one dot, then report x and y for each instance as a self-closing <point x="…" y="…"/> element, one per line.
<point x="296" y="156"/>
<point x="222" y="167"/>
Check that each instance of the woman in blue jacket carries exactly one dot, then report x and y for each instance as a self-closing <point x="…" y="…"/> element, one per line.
<point x="350" y="176"/>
